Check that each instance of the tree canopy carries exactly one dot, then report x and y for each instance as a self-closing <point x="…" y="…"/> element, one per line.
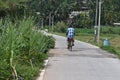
<point x="61" y="9"/>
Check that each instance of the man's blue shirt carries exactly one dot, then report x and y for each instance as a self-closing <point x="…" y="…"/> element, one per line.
<point x="70" y="32"/>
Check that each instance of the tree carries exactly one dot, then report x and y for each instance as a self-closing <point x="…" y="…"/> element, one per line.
<point x="12" y="6"/>
<point x="110" y="11"/>
<point x="59" y="8"/>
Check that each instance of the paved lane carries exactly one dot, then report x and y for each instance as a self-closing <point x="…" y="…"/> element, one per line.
<point x="85" y="62"/>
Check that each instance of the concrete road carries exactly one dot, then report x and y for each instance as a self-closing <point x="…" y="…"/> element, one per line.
<point x="85" y="62"/>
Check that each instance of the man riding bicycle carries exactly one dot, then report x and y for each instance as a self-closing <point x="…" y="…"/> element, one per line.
<point x="70" y="35"/>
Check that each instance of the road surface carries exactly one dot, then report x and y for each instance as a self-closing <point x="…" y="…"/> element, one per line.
<point x="85" y="62"/>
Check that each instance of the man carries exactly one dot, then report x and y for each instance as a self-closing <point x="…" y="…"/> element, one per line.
<point x="70" y="34"/>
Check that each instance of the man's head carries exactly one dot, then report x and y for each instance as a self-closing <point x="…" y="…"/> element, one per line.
<point x="70" y="25"/>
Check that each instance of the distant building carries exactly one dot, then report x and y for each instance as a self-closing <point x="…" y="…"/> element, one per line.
<point x="76" y="13"/>
<point x="84" y="10"/>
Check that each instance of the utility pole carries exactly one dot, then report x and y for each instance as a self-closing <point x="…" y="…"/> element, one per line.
<point x="99" y="18"/>
<point x="52" y="22"/>
<point x="49" y="19"/>
<point x="42" y="23"/>
<point x="96" y="22"/>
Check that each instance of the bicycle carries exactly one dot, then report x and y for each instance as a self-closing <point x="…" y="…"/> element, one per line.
<point x="70" y="44"/>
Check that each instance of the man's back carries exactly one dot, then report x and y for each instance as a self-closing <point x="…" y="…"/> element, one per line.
<point x="70" y="32"/>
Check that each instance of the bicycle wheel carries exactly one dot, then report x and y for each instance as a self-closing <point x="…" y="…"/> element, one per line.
<point x="70" y="45"/>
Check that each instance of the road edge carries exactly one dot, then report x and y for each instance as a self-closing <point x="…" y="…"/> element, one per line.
<point x="42" y="72"/>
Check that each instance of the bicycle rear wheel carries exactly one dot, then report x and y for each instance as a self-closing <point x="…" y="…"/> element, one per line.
<point x="70" y="45"/>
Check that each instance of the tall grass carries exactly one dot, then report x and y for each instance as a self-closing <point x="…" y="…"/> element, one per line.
<point x="22" y="49"/>
<point x="110" y="30"/>
<point x="84" y="31"/>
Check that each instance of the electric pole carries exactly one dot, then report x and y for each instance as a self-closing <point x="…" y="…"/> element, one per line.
<point x="99" y="18"/>
<point x="96" y="22"/>
<point x="49" y="19"/>
<point x="52" y="22"/>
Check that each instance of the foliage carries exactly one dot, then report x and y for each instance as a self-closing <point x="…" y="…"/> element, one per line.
<point x="82" y="21"/>
<point x="22" y="49"/>
<point x="110" y="30"/>
<point x="13" y="8"/>
<point x="60" y="10"/>
<point x="86" y="31"/>
<point x="60" y="26"/>
<point x="110" y="11"/>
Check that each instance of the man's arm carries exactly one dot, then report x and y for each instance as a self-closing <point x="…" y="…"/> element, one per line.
<point x="67" y="32"/>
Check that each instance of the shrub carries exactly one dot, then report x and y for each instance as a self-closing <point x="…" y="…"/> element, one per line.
<point x="60" y="26"/>
<point x="83" y="21"/>
<point x="22" y="49"/>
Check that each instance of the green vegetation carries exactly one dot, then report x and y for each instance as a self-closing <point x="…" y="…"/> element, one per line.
<point x="110" y="30"/>
<point x="60" y="27"/>
<point x="22" y="49"/>
<point x="60" y="10"/>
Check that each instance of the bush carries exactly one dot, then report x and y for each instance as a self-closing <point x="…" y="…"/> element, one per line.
<point x="22" y="49"/>
<point x="82" y="21"/>
<point x="60" y="27"/>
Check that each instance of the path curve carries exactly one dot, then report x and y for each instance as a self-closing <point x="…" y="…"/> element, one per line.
<point x="85" y="62"/>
